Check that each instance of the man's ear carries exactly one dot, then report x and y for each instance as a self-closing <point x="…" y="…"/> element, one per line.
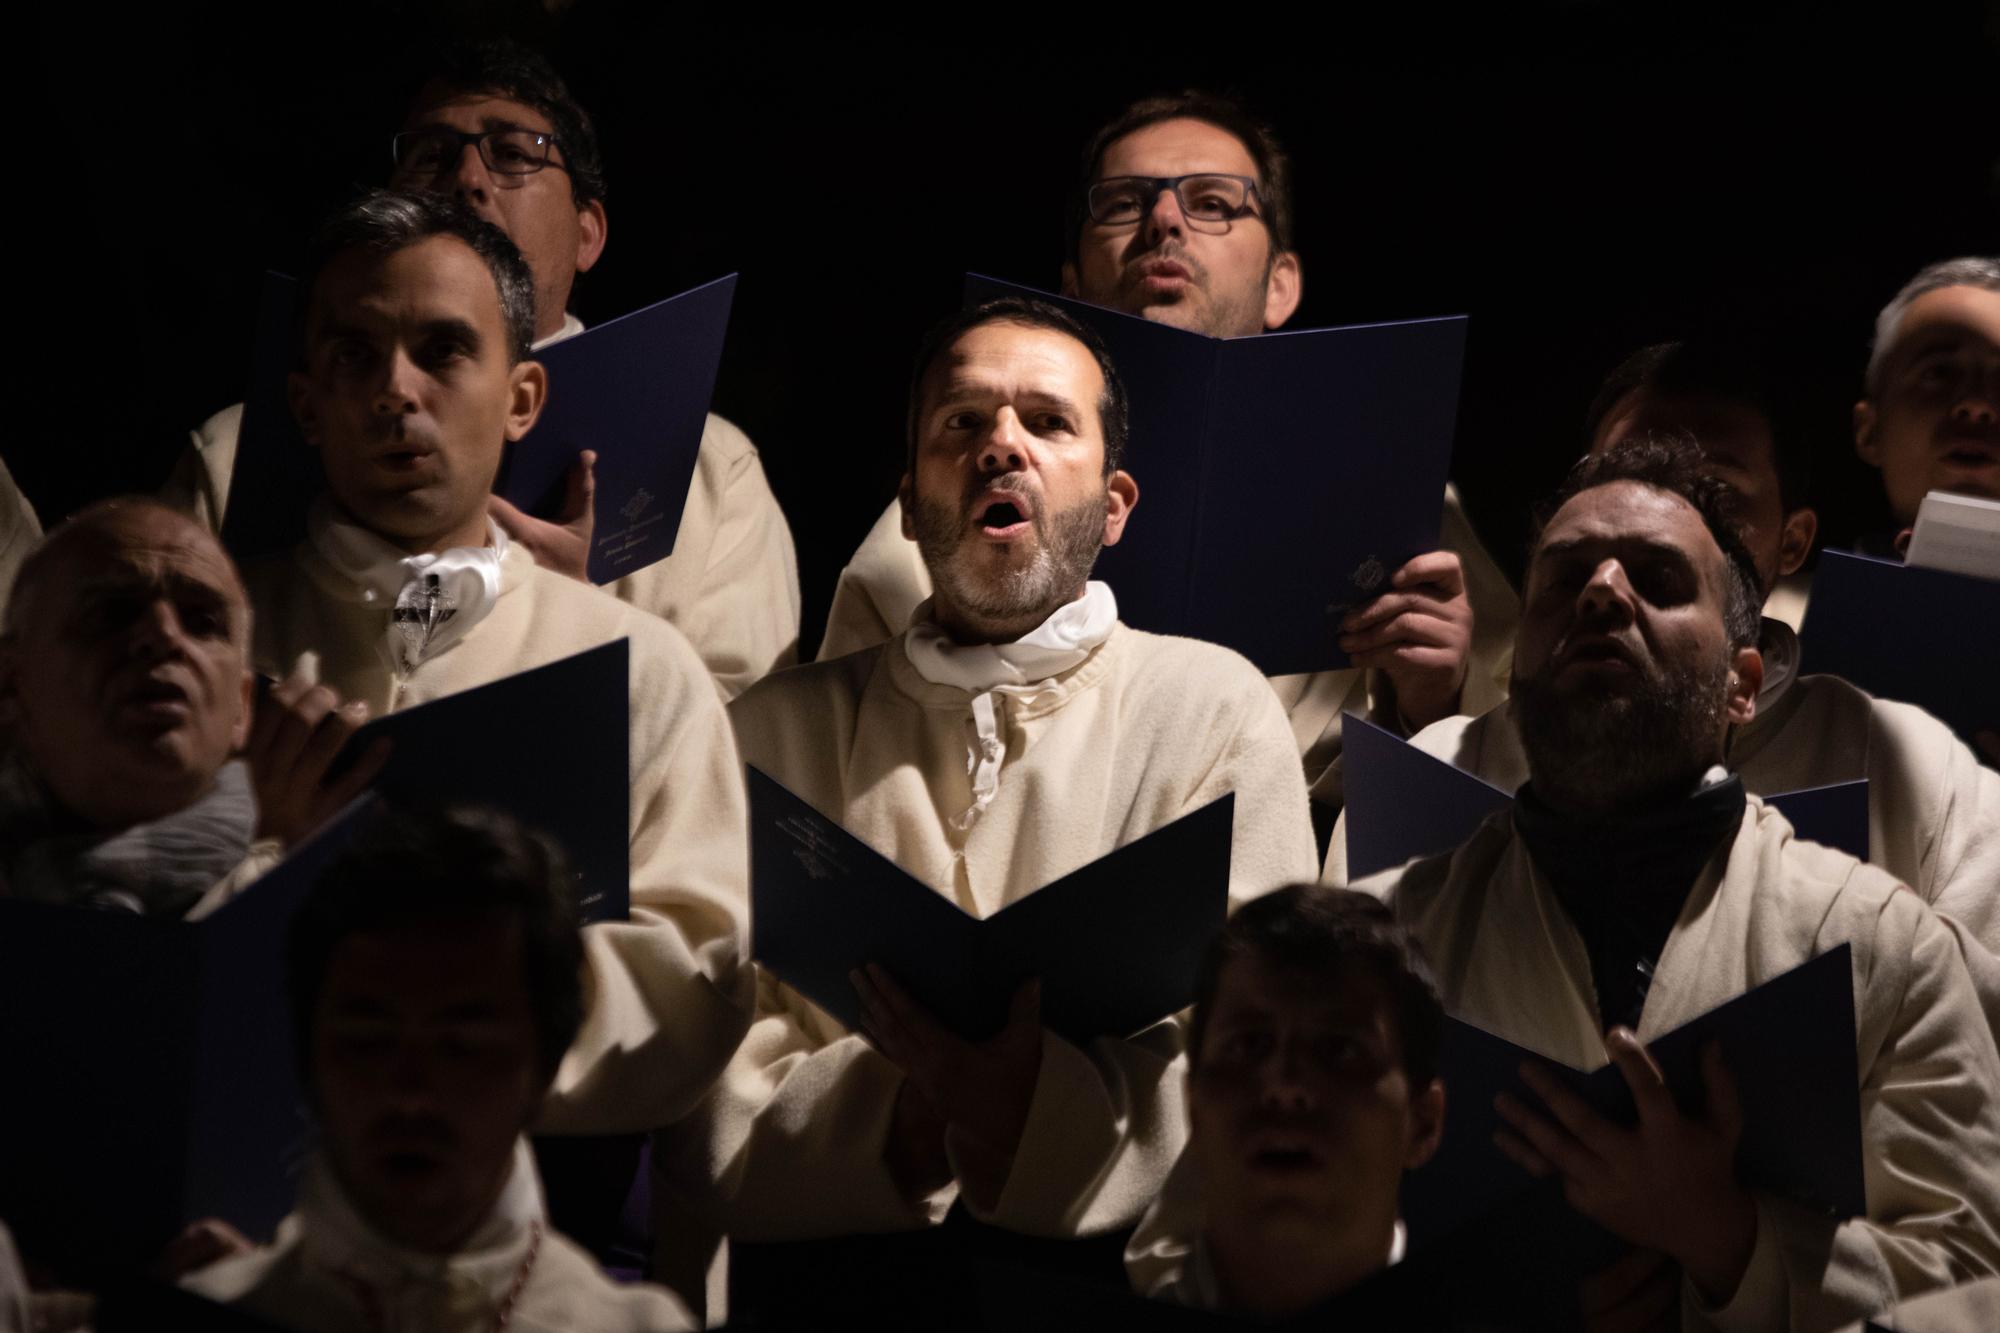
<point x="528" y="387"/>
<point x="1283" y="290"/>
<point x="1795" y="542"/>
<point x="1865" y="443"/>
<point x="1426" y="1124"/>
<point x="1746" y="677"/>
<point x="906" y="500"/>
<point x="592" y="230"/>
<point x="305" y="410"/>
<point x="1121" y="497"/>
<point x="1068" y="287"/>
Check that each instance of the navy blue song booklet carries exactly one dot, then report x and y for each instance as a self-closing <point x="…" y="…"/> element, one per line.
<point x="548" y="746"/>
<point x="150" y="1068"/>
<point x="1923" y="636"/>
<point x="635" y="389"/>
<point x="1789" y="1048"/>
<point x="1282" y="478"/>
<point x="1403" y="802"/>
<point x="1116" y="943"/>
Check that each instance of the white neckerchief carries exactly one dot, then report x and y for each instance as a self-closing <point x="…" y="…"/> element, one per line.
<point x="1201" y="1287"/>
<point x="571" y="326"/>
<point x="433" y="599"/>
<point x="400" y="1288"/>
<point x="1062" y="641"/>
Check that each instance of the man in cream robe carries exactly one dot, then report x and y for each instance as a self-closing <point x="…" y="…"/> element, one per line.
<point x="1451" y="650"/>
<point x="1557" y="920"/>
<point x="433" y="976"/>
<point x="669" y="997"/>
<point x="731" y="585"/>
<point x="988" y="752"/>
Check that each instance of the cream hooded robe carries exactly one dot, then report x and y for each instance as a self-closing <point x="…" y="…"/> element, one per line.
<point x="668" y="992"/>
<point x="1144" y="730"/>
<point x="1508" y="959"/>
<point x="731" y="585"/>
<point x="1933" y="808"/>
<point x="886" y="579"/>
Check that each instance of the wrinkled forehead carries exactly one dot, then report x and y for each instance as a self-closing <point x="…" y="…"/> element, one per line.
<point x="1630" y="515"/>
<point x="434" y="280"/>
<point x="141" y="547"/>
<point x="1009" y="359"/>
<point x="1950" y="318"/>
<point x="1179" y="147"/>
<point x="472" y="109"/>
<point x="1349" y="993"/>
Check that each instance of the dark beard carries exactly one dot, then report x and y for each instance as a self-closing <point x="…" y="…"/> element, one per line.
<point x="1067" y="543"/>
<point x="1595" y="751"/>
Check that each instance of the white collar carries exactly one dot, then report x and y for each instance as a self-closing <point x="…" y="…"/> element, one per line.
<point x="1778" y="644"/>
<point x="1069" y="636"/>
<point x="333" y="1236"/>
<point x="571" y="326"/>
<point x="434" y="599"/>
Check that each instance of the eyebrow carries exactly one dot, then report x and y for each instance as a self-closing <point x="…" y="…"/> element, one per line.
<point x="1570" y="547"/>
<point x="447" y="325"/>
<point x="958" y="390"/>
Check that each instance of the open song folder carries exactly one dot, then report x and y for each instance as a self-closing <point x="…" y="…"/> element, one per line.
<point x="548" y="746"/>
<point x="1929" y="637"/>
<point x="1403" y="802"/>
<point x="1789" y="1047"/>
<point x="636" y="390"/>
<point x="1116" y="943"/>
<point x="150" y="1068"/>
<point x="1282" y="478"/>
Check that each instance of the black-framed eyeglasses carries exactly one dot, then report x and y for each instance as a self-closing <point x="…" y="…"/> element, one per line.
<point x="509" y="150"/>
<point x="1209" y="200"/>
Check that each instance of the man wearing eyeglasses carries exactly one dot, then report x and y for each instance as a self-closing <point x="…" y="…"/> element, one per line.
<point x="495" y="126"/>
<point x="1183" y="216"/>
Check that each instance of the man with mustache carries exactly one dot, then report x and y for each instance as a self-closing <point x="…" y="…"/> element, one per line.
<point x="731" y="585"/>
<point x="1013" y="733"/>
<point x="1312" y="1087"/>
<point x="434" y="979"/>
<point x="1930" y="416"/>
<point x="1635" y="885"/>
<point x="416" y="322"/>
<point x="1933" y="807"/>
<point x="125" y="691"/>
<point x="1140" y="242"/>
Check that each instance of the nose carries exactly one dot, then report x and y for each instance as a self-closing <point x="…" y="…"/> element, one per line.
<point x="1005" y="447"/>
<point x="157" y="634"/>
<point x="469" y="179"/>
<point x="396" y="395"/>
<point x="1285" y="1085"/>
<point x="1979" y="403"/>
<point x="1164" y="218"/>
<point x="1607" y="598"/>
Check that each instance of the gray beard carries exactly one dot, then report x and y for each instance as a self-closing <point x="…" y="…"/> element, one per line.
<point x="1599" y="751"/>
<point x="1067" y="543"/>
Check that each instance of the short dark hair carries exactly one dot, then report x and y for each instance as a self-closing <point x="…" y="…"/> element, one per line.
<point x="1674" y="464"/>
<point x="1719" y="371"/>
<point x="1274" y="166"/>
<point x="412" y="865"/>
<point x="520" y="74"/>
<point x="1322" y="932"/>
<point x="1113" y="411"/>
<point x="382" y="222"/>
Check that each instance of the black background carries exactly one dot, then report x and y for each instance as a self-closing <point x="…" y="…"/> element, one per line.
<point x="1580" y="178"/>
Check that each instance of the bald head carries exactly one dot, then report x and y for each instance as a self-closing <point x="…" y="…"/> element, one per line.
<point x="124" y="662"/>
